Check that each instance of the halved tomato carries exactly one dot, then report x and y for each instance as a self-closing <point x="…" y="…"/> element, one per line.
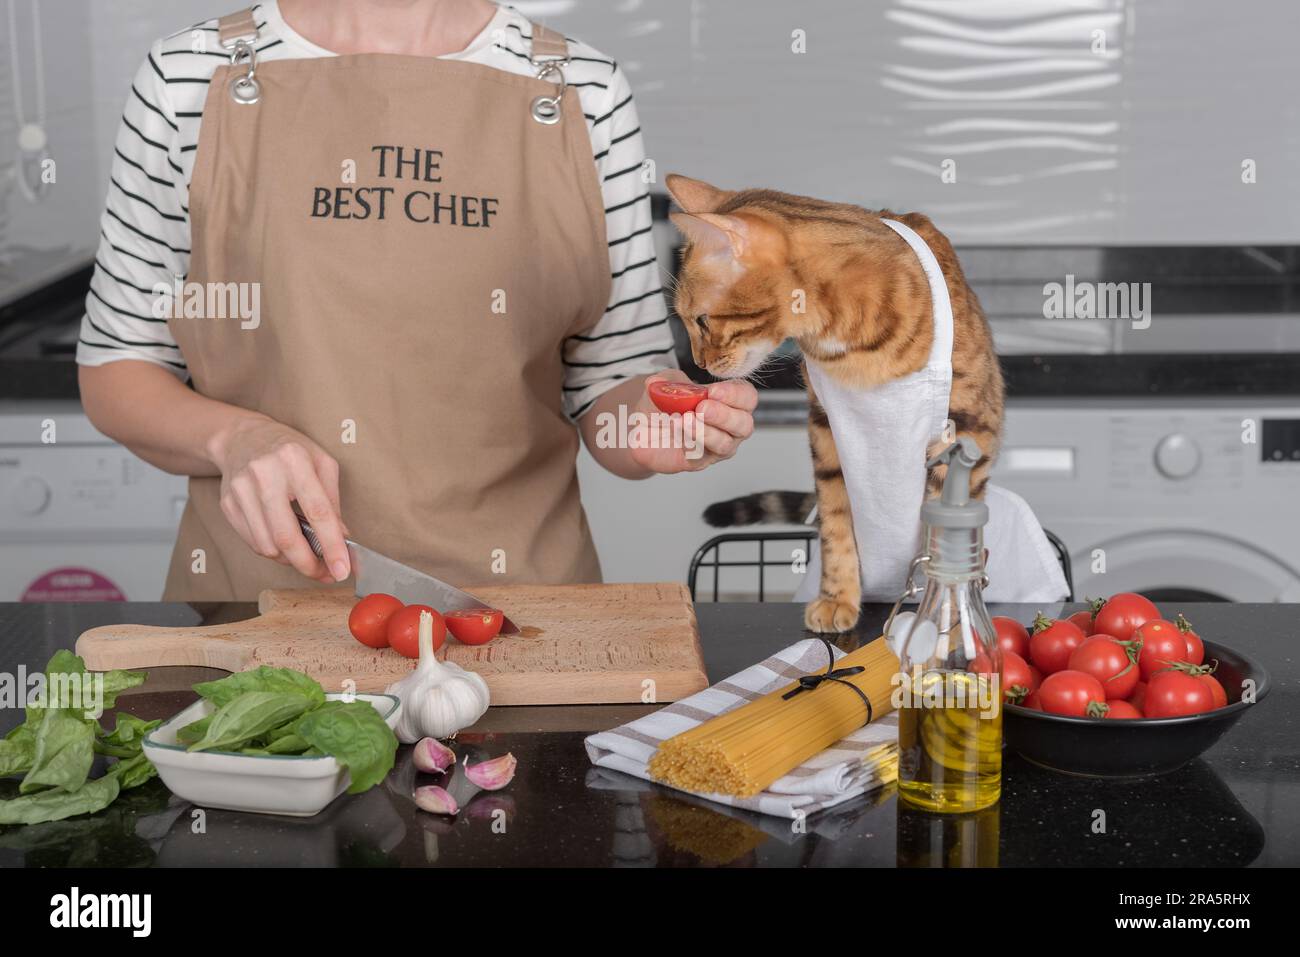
<point x="674" y="397"/>
<point x="474" y="626"/>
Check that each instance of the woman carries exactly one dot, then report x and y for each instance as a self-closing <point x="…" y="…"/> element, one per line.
<point x="416" y="247"/>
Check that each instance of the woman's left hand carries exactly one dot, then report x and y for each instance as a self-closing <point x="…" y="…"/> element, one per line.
<point x="695" y="440"/>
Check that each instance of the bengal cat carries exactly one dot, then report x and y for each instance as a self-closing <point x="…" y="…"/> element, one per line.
<point x="760" y="267"/>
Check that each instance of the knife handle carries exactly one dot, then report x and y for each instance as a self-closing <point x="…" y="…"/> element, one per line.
<point x="309" y="533"/>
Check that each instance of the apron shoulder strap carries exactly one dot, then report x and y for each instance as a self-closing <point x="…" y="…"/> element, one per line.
<point x="237" y="26"/>
<point x="941" y="350"/>
<point x="548" y="44"/>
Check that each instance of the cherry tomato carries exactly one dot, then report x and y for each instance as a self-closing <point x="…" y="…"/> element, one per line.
<point x="673" y="397"/>
<point x="1121" y="614"/>
<point x="1162" y="645"/>
<point x="1082" y="620"/>
<point x="1072" y="693"/>
<point x="1031" y="702"/>
<point x="1195" y="647"/>
<point x="1139" y="696"/>
<point x="1218" y="696"/>
<point x="404" y="630"/>
<point x="1109" y="662"/>
<point x="1017" y="680"/>
<point x="1121" y="709"/>
<point x="1036" y="675"/>
<point x="1052" y="642"/>
<point x="474" y="626"/>
<point x="1012" y="636"/>
<point x="1171" y="694"/>
<point x="368" y="620"/>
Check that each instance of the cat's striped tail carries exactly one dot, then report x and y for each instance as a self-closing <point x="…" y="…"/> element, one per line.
<point x="790" y="508"/>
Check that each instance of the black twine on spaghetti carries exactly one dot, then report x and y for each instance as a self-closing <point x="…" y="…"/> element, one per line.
<point x="812" y="682"/>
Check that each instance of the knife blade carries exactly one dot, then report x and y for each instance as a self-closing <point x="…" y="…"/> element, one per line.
<point x="374" y="572"/>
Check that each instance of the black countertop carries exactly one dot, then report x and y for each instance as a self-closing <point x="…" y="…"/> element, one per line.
<point x="1235" y="806"/>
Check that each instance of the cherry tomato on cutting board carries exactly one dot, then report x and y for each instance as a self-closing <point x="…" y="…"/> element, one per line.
<point x="368" y="620"/>
<point x="1012" y="636"/>
<point x="1109" y="662"/>
<point x="1052" y="642"/>
<point x="674" y="397"/>
<point x="404" y="630"/>
<point x="1122" y="614"/>
<point x="474" y="626"/>
<point x="1072" y="693"/>
<point x="1163" y="645"/>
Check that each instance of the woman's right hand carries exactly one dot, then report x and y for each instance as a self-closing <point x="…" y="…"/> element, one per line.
<point x="266" y="467"/>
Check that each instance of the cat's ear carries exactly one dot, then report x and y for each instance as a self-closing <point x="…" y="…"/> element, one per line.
<point x="713" y="234"/>
<point x="693" y="195"/>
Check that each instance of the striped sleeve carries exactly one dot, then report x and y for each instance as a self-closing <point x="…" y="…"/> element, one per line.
<point x="144" y="235"/>
<point x="632" y="337"/>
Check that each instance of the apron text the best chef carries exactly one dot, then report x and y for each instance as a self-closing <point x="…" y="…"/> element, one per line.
<point x="881" y="435"/>
<point x="424" y="234"/>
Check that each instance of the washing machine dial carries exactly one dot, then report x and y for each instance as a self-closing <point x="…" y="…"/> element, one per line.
<point x="32" y="495"/>
<point x="1178" y="456"/>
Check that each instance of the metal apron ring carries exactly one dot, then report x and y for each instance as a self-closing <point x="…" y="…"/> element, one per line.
<point x="546" y="109"/>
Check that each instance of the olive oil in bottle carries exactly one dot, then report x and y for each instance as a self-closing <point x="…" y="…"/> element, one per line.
<point x="950" y="716"/>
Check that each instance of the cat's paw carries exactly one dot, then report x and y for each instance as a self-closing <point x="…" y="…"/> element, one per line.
<point x="824" y="615"/>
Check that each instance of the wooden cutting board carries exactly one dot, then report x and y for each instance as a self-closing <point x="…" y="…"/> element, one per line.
<point x="579" y="644"/>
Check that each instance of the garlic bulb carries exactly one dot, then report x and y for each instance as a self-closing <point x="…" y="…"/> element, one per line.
<point x="438" y="698"/>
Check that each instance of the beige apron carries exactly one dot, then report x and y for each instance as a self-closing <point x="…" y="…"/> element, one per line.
<point x="413" y="304"/>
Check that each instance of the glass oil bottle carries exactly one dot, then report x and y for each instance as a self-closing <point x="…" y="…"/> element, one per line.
<point x="950" y="692"/>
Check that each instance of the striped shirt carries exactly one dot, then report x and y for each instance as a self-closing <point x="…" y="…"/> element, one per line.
<point x="145" y="229"/>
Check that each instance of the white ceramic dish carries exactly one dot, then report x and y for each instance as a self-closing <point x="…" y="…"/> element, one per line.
<point x="262" y="784"/>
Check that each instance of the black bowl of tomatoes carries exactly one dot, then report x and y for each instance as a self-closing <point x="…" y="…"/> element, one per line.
<point x="1118" y="690"/>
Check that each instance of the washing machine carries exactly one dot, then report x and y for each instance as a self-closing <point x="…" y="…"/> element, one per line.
<point x="1182" y="499"/>
<point x="81" y="518"/>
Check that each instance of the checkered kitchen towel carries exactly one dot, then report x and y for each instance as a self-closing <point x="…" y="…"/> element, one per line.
<point x="866" y="759"/>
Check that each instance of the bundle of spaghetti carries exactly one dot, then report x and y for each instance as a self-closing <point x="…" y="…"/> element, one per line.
<point x="742" y="751"/>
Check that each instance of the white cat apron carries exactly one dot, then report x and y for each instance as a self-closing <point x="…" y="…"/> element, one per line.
<point x="881" y="435"/>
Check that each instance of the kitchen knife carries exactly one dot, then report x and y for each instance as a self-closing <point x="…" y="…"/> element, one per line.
<point x="374" y="572"/>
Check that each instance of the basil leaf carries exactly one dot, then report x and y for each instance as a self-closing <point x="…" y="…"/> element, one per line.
<point x="288" y="744"/>
<point x="129" y="730"/>
<point x="133" y="772"/>
<point x="65" y="749"/>
<point x="356" y="736"/>
<point x="225" y="690"/>
<point x="17" y="751"/>
<point x="55" y="805"/>
<point x="115" y="682"/>
<point x="249" y="716"/>
<point x="194" y="731"/>
<point x="65" y="662"/>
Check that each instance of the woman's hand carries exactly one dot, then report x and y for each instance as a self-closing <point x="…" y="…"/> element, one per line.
<point x="265" y="467"/>
<point x="710" y="434"/>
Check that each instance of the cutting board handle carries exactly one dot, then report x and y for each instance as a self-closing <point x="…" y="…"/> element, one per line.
<point x="144" y="646"/>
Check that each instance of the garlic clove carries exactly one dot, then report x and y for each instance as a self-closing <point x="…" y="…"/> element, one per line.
<point x="492" y="775"/>
<point x="432" y="756"/>
<point x="435" y="800"/>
